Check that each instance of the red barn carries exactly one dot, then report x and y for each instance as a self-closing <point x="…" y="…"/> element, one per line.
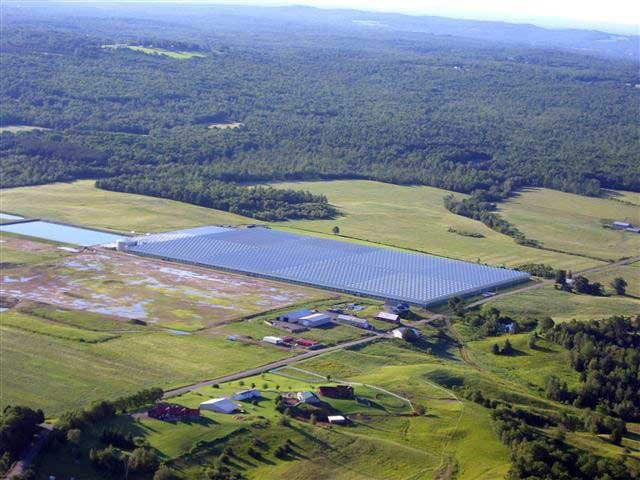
<point x="339" y="391"/>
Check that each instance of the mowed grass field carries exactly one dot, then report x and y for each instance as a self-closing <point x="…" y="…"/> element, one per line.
<point x="83" y="204"/>
<point x="573" y="223"/>
<point x="398" y="216"/>
<point x="630" y="272"/>
<point x="415" y="218"/>
<point x="53" y="366"/>
<point x="563" y="306"/>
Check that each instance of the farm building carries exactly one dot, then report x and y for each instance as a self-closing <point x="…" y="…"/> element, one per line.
<point x="355" y="321"/>
<point x="396" y="307"/>
<point x="305" y="342"/>
<point x="246" y="395"/>
<point x="337" y="419"/>
<point x="339" y="391"/>
<point x="273" y="340"/>
<point x="171" y="412"/>
<point x="315" y="320"/>
<point x="621" y="224"/>
<point x="389" y="275"/>
<point x="388" y="317"/>
<point x="307" y="397"/>
<point x="220" y="405"/>
<point x="289" y="327"/>
<point x="293" y="317"/>
<point x="399" y="332"/>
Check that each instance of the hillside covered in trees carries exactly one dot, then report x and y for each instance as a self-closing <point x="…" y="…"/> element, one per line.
<point x="306" y="101"/>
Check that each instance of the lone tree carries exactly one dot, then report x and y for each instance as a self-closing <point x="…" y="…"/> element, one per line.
<point x="495" y="349"/>
<point x="507" y="349"/>
<point x="336" y="230"/>
<point x="619" y="284"/>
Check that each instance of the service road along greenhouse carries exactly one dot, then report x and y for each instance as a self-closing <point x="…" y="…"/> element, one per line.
<point x="362" y="270"/>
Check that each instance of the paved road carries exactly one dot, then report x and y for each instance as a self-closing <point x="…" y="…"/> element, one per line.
<point x="23" y="464"/>
<point x="270" y="366"/>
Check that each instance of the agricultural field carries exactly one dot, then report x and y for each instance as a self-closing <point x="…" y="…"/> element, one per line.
<point x="82" y="204"/>
<point x="563" y="306"/>
<point x="630" y="272"/>
<point x="59" y="366"/>
<point x="415" y="218"/>
<point x="177" y="55"/>
<point x="573" y="223"/>
<point x="161" y="293"/>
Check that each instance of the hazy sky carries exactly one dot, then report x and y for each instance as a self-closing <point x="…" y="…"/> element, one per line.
<point x="579" y="12"/>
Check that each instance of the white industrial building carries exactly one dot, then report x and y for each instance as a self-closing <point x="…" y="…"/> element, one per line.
<point x="355" y="321"/>
<point x="315" y="320"/>
<point x="220" y="405"/>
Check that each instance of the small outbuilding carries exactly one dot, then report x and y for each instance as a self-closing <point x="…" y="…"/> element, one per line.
<point x="399" y="332"/>
<point x="337" y="419"/>
<point x="307" y="397"/>
<point x="246" y="395"/>
<point x="315" y="320"/>
<point x="621" y="224"/>
<point x="388" y="317"/>
<point x="273" y="340"/>
<point x="219" y="405"/>
<point x="355" y="321"/>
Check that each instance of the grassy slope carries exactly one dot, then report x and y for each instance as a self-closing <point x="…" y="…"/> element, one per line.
<point x="81" y="203"/>
<point x="528" y="366"/>
<point x="415" y="217"/>
<point x="563" y="306"/>
<point x="572" y="223"/>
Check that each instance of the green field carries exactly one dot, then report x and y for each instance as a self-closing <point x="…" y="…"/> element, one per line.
<point x="573" y="223"/>
<point x="400" y="216"/>
<point x="57" y="374"/>
<point x="529" y="367"/>
<point x="379" y="443"/>
<point x="630" y="272"/>
<point x="83" y="204"/>
<point x="563" y="306"/>
<point x="178" y="55"/>
<point x="415" y="218"/>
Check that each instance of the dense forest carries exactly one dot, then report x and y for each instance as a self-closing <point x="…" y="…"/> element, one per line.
<point x="268" y="204"/>
<point x="607" y="355"/>
<point x="309" y="103"/>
